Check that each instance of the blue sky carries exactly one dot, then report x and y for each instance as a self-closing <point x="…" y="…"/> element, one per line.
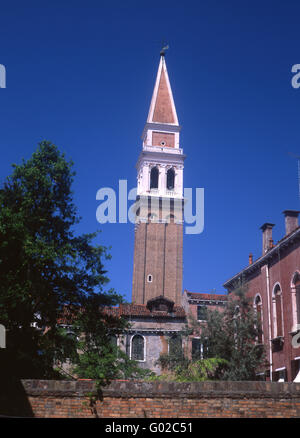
<point x="81" y="74"/>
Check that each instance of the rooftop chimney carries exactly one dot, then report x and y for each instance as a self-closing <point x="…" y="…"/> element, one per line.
<point x="250" y="258"/>
<point x="291" y="220"/>
<point x="267" y="236"/>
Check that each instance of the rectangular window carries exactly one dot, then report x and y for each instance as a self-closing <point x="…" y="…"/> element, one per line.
<point x="205" y="350"/>
<point x="196" y="349"/>
<point x="175" y="346"/>
<point x="201" y="313"/>
<point x="199" y="350"/>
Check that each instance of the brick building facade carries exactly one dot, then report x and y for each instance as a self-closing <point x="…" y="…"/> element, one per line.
<point x="273" y="284"/>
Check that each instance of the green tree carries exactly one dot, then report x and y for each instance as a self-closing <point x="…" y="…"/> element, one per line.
<point x="100" y="358"/>
<point x="178" y="366"/>
<point x="49" y="274"/>
<point x="229" y="339"/>
<point x="233" y="336"/>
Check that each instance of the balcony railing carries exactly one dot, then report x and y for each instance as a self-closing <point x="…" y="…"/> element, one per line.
<point x="170" y="192"/>
<point x="169" y="150"/>
<point x="165" y="192"/>
<point x="154" y="191"/>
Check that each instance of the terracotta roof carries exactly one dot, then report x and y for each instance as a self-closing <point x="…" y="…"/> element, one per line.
<point x="142" y="310"/>
<point x="162" y="108"/>
<point x="206" y="296"/>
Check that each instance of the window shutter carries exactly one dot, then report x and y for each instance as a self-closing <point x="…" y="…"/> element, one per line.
<point x="298" y="303"/>
<point x="278" y="314"/>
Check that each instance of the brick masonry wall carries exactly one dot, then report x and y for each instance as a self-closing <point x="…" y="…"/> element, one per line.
<point x="136" y="399"/>
<point x="168" y="138"/>
<point x="157" y="252"/>
<point x="281" y="271"/>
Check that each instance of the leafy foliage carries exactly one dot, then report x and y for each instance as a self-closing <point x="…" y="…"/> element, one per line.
<point x="192" y="370"/>
<point x="232" y="336"/>
<point x="175" y="358"/>
<point x="177" y="366"/>
<point x="99" y="357"/>
<point x="49" y="274"/>
<point x="230" y="348"/>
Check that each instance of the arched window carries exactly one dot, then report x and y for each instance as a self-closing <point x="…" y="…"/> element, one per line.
<point x="154" y="178"/>
<point x="170" y="219"/>
<point x="170" y="179"/>
<point x="296" y="299"/>
<point x="138" y="348"/>
<point x="277" y="311"/>
<point x="297" y="286"/>
<point x="258" y="309"/>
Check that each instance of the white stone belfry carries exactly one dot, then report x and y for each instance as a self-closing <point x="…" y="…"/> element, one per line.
<point x="161" y="144"/>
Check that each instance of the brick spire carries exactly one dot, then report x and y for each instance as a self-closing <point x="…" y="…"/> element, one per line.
<point x="162" y="107"/>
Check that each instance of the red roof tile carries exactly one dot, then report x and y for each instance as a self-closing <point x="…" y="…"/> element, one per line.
<point x="206" y="296"/>
<point x="142" y="310"/>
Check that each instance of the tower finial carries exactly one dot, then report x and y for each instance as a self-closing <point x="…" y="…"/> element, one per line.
<point x="164" y="48"/>
<point x="162" y="108"/>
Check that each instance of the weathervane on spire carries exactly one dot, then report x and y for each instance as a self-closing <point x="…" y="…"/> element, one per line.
<point x="164" y="48"/>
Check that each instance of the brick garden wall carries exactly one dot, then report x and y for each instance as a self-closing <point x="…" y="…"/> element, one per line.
<point x="43" y="398"/>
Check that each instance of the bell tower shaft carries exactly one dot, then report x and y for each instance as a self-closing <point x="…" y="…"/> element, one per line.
<point x="159" y="226"/>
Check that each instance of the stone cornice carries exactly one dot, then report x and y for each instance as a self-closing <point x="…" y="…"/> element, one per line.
<point x="140" y="389"/>
<point x="265" y="259"/>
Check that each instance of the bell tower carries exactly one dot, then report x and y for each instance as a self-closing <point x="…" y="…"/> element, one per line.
<point x="157" y="270"/>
